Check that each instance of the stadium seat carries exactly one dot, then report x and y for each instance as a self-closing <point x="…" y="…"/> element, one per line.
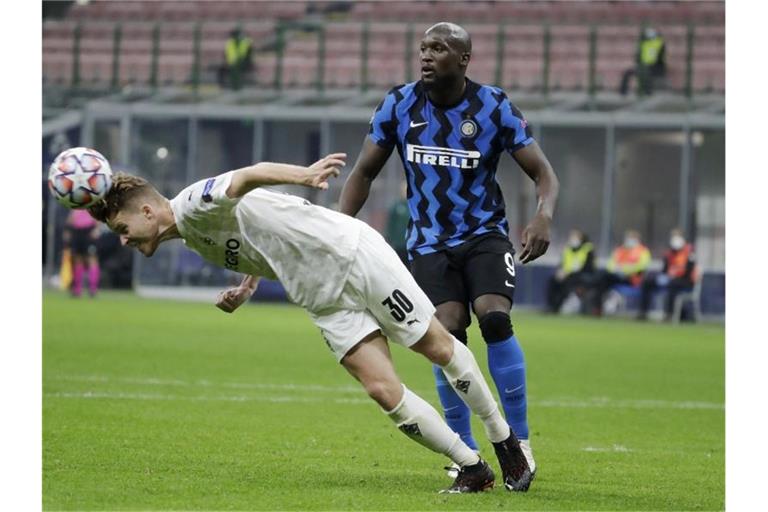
<point x="617" y="300"/>
<point x="523" y="40"/>
<point x="264" y="64"/>
<point x="343" y="71"/>
<point x="135" y="69"/>
<point x="692" y="297"/>
<point x="57" y="68"/>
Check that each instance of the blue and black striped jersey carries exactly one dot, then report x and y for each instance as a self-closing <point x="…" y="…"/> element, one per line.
<point x="450" y="157"/>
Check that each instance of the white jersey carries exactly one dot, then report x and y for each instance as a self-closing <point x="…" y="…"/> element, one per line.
<point x="278" y="236"/>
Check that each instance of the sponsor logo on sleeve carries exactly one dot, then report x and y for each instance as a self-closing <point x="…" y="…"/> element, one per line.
<point x="207" y="190"/>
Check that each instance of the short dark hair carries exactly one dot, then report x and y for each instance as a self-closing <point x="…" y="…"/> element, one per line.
<point x="125" y="188"/>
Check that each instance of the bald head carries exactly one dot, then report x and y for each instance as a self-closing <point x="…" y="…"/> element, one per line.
<point x="455" y="36"/>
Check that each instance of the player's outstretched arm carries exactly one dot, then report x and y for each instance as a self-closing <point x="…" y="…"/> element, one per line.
<point x="370" y="162"/>
<point x="535" y="238"/>
<point x="231" y="299"/>
<point x="269" y="173"/>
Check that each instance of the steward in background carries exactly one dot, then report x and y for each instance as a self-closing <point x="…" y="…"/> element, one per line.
<point x="678" y="275"/>
<point x="576" y="266"/>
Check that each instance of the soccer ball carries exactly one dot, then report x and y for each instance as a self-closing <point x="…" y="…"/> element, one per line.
<point x="79" y="177"/>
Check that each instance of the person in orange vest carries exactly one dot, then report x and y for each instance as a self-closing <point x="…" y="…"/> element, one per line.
<point x="678" y="275"/>
<point x="627" y="266"/>
<point x="577" y="264"/>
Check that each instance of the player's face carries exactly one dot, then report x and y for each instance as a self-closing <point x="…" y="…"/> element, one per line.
<point x="440" y="62"/>
<point x="137" y="228"/>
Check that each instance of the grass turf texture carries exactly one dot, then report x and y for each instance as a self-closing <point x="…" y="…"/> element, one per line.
<point x="171" y="405"/>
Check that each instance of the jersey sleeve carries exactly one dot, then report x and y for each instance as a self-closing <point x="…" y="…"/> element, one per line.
<point x="383" y="125"/>
<point x="213" y="191"/>
<point x="207" y="195"/>
<point x="516" y="134"/>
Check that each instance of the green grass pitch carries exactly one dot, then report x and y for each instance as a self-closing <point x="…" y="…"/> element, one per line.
<point x="172" y="405"/>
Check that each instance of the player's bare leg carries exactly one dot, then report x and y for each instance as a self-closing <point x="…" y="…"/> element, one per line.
<point x="370" y="363"/>
<point x="460" y="367"/>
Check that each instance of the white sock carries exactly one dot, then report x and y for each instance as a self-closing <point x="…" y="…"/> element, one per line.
<point x="422" y="423"/>
<point x="465" y="377"/>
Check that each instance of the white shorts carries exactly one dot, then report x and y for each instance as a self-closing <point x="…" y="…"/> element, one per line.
<point x="379" y="293"/>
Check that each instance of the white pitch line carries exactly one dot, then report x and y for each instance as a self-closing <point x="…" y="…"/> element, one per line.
<point x="203" y="398"/>
<point x="611" y="403"/>
<point x="560" y="403"/>
<point x="206" y="383"/>
<point x="617" y="448"/>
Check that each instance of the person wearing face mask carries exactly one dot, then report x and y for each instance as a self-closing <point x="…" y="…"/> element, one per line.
<point x="578" y="262"/>
<point x="678" y="275"/>
<point x="627" y="266"/>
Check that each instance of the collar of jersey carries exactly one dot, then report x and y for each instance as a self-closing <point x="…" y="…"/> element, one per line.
<point x="469" y="85"/>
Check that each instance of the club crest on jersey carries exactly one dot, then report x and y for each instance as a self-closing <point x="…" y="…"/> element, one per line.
<point x="468" y="128"/>
<point x="412" y="430"/>
<point x="445" y="157"/>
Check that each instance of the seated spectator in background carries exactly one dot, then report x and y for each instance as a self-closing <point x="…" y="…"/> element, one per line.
<point x="576" y="267"/>
<point x="397" y="224"/>
<point x="627" y="266"/>
<point x="678" y="275"/>
<point x="238" y="55"/>
<point x="650" y="64"/>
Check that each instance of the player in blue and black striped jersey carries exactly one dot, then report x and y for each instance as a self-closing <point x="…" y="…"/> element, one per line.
<point x="450" y="133"/>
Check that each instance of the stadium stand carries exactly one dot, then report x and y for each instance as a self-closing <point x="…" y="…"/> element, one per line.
<point x="366" y="44"/>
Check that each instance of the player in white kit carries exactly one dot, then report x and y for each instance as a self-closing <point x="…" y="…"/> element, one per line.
<point x="343" y="273"/>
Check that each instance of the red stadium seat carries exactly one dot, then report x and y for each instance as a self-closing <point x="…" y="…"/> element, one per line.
<point x="618" y="25"/>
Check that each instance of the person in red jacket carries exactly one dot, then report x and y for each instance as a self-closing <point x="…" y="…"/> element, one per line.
<point x="678" y="275"/>
<point x="627" y="266"/>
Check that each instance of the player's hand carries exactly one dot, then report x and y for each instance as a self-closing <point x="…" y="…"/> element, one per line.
<point x="231" y="299"/>
<point x="325" y="168"/>
<point x="535" y="239"/>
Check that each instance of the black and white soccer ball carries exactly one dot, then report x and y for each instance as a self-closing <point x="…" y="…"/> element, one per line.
<point x="79" y="177"/>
